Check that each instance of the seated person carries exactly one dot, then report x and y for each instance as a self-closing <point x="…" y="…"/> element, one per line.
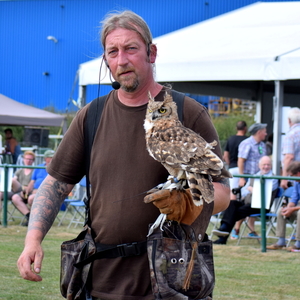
<point x="23" y="177"/>
<point x="238" y="210"/>
<point x="16" y="187"/>
<point x="291" y="211"/>
<point x="246" y="196"/>
<point x="11" y="146"/>
<point x="39" y="175"/>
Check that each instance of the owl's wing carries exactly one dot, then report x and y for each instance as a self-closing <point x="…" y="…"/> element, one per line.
<point x="182" y="148"/>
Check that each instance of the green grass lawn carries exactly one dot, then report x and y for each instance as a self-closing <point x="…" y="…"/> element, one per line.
<point x="242" y="272"/>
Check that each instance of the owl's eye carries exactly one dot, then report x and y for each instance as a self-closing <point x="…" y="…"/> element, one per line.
<point x="162" y="110"/>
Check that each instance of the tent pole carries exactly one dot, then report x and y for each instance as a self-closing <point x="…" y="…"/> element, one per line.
<point x="82" y="95"/>
<point x="258" y="115"/>
<point x="277" y="125"/>
<point x="257" y="118"/>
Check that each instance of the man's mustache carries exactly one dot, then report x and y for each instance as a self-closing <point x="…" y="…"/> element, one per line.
<point x="122" y="71"/>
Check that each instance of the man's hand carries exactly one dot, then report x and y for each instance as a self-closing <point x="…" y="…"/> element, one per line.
<point x="176" y="204"/>
<point x="284" y="183"/>
<point x="242" y="181"/>
<point x="32" y="254"/>
<point x="287" y="159"/>
<point x="287" y="211"/>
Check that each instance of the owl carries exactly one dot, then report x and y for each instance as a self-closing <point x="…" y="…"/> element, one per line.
<point x="184" y="153"/>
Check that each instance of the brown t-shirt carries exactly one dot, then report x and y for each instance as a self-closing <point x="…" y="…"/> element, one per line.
<point x="120" y="173"/>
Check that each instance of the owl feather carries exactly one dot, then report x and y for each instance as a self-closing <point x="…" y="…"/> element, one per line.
<point x="183" y="152"/>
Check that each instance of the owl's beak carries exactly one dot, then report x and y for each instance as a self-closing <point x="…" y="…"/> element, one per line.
<point x="155" y="115"/>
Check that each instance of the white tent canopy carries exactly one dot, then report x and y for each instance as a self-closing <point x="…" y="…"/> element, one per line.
<point x="238" y="54"/>
<point x="239" y="45"/>
<point x="16" y="113"/>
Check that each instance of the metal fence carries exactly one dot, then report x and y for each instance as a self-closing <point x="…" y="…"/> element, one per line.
<point x="262" y="179"/>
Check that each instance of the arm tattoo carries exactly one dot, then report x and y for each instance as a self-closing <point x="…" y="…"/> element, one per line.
<point x="47" y="203"/>
<point x="224" y="182"/>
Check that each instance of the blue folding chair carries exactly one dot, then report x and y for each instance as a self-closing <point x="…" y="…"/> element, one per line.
<point x="288" y="194"/>
<point x="245" y="226"/>
<point x="271" y="217"/>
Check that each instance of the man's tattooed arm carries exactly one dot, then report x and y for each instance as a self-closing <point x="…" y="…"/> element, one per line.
<point x="47" y="203"/>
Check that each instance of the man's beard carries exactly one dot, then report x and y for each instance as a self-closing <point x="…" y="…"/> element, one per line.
<point x="130" y="88"/>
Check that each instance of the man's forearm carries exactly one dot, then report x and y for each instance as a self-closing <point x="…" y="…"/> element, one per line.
<point x="222" y="195"/>
<point x="30" y="186"/>
<point x="288" y="158"/>
<point x="46" y="206"/>
<point x="241" y="164"/>
<point x="226" y="157"/>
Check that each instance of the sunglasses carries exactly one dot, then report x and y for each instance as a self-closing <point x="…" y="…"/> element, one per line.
<point x="260" y="150"/>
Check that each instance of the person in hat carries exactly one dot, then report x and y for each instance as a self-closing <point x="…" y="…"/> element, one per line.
<point x="37" y="178"/>
<point x="250" y="151"/>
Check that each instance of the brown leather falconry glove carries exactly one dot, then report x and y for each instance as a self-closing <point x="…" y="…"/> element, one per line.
<point x="178" y="205"/>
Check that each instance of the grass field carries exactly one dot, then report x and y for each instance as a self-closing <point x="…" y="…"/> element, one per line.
<point x="242" y="272"/>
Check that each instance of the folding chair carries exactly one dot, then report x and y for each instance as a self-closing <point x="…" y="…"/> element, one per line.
<point x="271" y="217"/>
<point x="79" y="194"/>
<point x="293" y="225"/>
<point x="245" y="226"/>
<point x="12" y="213"/>
<point x="287" y="194"/>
